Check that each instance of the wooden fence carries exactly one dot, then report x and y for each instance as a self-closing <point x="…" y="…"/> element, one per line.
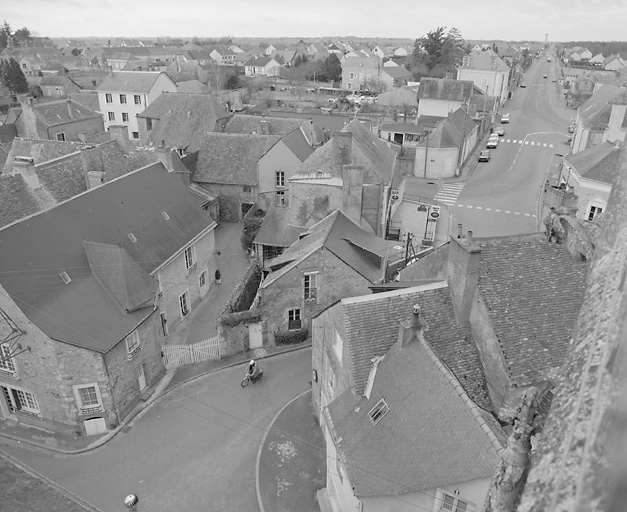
<point x="180" y="355"/>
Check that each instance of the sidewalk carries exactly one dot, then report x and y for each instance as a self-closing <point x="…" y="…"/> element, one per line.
<point x="291" y="464"/>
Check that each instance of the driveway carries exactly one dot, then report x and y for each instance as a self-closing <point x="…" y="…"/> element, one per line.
<point x="193" y="450"/>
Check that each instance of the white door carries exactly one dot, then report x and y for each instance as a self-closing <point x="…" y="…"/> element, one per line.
<point x="142" y="379"/>
<point x="95" y="426"/>
<point x="255" y="336"/>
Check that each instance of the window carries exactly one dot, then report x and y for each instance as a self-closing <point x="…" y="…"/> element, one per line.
<point x="136" y="135"/>
<point x="7" y="365"/>
<point x="148" y="124"/>
<point x="109" y="98"/>
<point x="122" y="98"/>
<point x="132" y="344"/>
<point x="190" y="260"/>
<point x="88" y="398"/>
<point x="351" y="76"/>
<point x="338" y="346"/>
<point x="280" y="179"/>
<point x="184" y="304"/>
<point x="449" y="503"/>
<point x="594" y="211"/>
<point x="378" y="411"/>
<point x="111" y="116"/>
<point x="138" y="99"/>
<point x="180" y="152"/>
<point x="271" y="251"/>
<point x="280" y="198"/>
<point x="311" y="287"/>
<point x="293" y="319"/>
<point x="22" y="401"/>
<point x="61" y="136"/>
<point x="361" y="77"/>
<point x="247" y="189"/>
<point x="125" y="117"/>
<point x="202" y="279"/>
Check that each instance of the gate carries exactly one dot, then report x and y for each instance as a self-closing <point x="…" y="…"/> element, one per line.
<point x="180" y="355"/>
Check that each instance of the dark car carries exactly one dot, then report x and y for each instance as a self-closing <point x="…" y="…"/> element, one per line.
<point x="484" y="156"/>
<point x="523" y="85"/>
<point x="544" y="76"/>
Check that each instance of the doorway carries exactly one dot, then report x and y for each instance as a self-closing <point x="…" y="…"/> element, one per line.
<point x="142" y="377"/>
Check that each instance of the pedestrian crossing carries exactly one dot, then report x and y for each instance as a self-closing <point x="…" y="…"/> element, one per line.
<point x="528" y="143"/>
<point x="448" y="193"/>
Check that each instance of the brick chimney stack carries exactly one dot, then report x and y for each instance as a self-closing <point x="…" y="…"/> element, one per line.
<point x="69" y="108"/>
<point x="413" y="328"/>
<point x="462" y="272"/>
<point x="119" y="133"/>
<point x="352" y="192"/>
<point x="341" y="152"/>
<point x="25" y="165"/>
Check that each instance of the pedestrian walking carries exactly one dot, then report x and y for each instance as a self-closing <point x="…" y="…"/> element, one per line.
<point x="218" y="277"/>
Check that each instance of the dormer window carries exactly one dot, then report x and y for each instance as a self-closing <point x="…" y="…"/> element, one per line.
<point x="378" y="411"/>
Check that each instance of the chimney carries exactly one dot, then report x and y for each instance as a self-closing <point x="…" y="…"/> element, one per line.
<point x="462" y="274"/>
<point x="264" y="127"/>
<point x="165" y="156"/>
<point x="93" y="167"/>
<point x="352" y="190"/>
<point x="341" y="152"/>
<point x="69" y="109"/>
<point x="119" y="133"/>
<point x="411" y="329"/>
<point x="25" y="165"/>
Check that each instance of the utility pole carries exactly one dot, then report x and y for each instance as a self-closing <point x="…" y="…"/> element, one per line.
<point x="485" y="101"/>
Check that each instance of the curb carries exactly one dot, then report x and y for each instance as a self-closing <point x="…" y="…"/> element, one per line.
<point x="141" y="409"/>
<point x="263" y="441"/>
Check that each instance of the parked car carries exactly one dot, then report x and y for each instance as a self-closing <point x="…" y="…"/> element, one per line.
<point x="500" y="130"/>
<point x="493" y="142"/>
<point x="484" y="156"/>
<point x="544" y="76"/>
<point x="523" y="85"/>
<point x="571" y="128"/>
<point x="505" y="119"/>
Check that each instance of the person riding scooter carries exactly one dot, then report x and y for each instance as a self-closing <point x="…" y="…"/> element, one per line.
<point x="252" y="369"/>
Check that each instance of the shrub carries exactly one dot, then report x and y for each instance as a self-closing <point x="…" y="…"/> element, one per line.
<point x="290" y="337"/>
<point x="243" y="317"/>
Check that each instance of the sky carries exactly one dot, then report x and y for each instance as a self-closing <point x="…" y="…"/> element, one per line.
<point x="508" y="20"/>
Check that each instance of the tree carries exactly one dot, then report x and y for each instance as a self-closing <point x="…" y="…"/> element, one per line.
<point x="22" y="37"/>
<point x="233" y="82"/>
<point x="13" y="77"/>
<point x="438" y="53"/>
<point x="332" y="68"/>
<point x="5" y="34"/>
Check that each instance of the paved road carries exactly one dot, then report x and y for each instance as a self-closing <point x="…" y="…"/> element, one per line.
<point x="501" y="197"/>
<point x="194" y="450"/>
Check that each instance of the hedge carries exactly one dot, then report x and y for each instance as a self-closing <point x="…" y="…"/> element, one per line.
<point x="243" y="317"/>
<point x="290" y="337"/>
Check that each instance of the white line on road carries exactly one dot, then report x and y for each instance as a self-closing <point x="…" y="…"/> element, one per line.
<point x="507" y="211"/>
<point x="497" y="210"/>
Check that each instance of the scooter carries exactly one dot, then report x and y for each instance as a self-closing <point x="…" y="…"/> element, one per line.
<point x="249" y="378"/>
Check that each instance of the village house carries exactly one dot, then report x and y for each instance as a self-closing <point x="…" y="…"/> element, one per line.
<point x="58" y="86"/>
<point x="360" y="73"/>
<point x="180" y="120"/>
<point x="334" y="258"/>
<point x="394" y="76"/>
<point x="262" y="66"/>
<point x="125" y="94"/>
<point x="443" y="151"/>
<point x="248" y="169"/>
<point x="57" y="120"/>
<point x="591" y="173"/>
<point x="441" y="96"/>
<point x="131" y="272"/>
<point x="487" y="71"/>
<point x="613" y="63"/>
<point x="382" y="376"/>
<point x="522" y="345"/>
<point x="223" y="56"/>
<point x="603" y="117"/>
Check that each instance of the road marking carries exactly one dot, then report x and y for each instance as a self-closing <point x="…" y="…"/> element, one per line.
<point x="527" y="215"/>
<point x="507" y="211"/>
<point x="448" y="193"/>
<point x="496" y="210"/>
<point x="526" y="142"/>
<point x="516" y="213"/>
<point x="478" y="208"/>
<point x="507" y="140"/>
<point x="488" y="209"/>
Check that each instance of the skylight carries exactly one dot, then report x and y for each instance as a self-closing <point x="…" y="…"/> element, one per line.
<point x="165" y="215"/>
<point x="132" y="237"/>
<point x="378" y="411"/>
<point x="64" y="277"/>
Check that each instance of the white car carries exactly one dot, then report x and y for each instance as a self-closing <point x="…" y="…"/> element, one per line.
<point x="493" y="142"/>
<point x="505" y="119"/>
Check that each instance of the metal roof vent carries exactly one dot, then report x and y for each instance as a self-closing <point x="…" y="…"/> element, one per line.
<point x="65" y="278"/>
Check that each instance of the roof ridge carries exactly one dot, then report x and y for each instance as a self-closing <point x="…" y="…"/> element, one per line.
<point x="459" y="389"/>
<point x="394" y="293"/>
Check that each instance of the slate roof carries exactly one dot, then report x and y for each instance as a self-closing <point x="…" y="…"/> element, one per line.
<point x="396" y="72"/>
<point x="483" y="60"/>
<point x="242" y="123"/>
<point x="86" y="99"/>
<point x="358" y="248"/>
<point x="432" y="436"/>
<point x="371" y="324"/>
<point x="276" y="229"/>
<point x="84" y="312"/>
<point x="595" y="112"/>
<point x="231" y="158"/>
<point x="449" y="132"/>
<point x="42" y="150"/>
<point x="17" y="200"/>
<point x="183" y="119"/>
<point x="130" y="81"/>
<point x="259" y="61"/>
<point x="599" y="163"/>
<point x="533" y="290"/>
<point x="298" y="144"/>
<point x="192" y="86"/>
<point x="367" y="150"/>
<point x="62" y="112"/>
<point x="445" y="89"/>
